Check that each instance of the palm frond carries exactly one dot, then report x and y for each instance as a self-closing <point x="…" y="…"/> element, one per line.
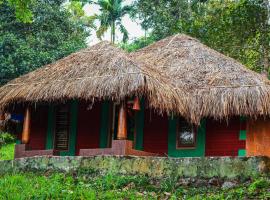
<point x="124" y="31"/>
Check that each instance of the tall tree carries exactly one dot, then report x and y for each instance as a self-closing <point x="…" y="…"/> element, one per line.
<point x="111" y="14"/>
<point x="236" y="28"/>
<point x="27" y="46"/>
<point x="266" y="37"/>
<point x="21" y="9"/>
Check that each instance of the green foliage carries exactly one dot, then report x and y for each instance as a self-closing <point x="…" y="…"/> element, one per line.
<point x="52" y="35"/>
<point x="6" y="138"/>
<point x="137" y="44"/>
<point x="7" y="151"/>
<point x="22" y="9"/>
<point x="236" y="28"/>
<point x="60" y="186"/>
<point x="78" y="15"/>
<point x="258" y="184"/>
<point x="111" y="14"/>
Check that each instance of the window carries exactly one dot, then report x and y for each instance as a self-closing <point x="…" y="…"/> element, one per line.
<point x="62" y="128"/>
<point x="186" y="134"/>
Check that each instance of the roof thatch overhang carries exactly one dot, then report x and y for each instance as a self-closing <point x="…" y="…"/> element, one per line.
<point x="176" y="75"/>
<point x="100" y="72"/>
<point x="215" y="85"/>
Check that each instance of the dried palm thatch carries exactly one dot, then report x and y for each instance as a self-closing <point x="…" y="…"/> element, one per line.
<point x="98" y="72"/>
<point x="177" y="74"/>
<point x="216" y="86"/>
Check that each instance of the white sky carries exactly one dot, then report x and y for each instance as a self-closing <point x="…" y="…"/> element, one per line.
<point x="133" y="28"/>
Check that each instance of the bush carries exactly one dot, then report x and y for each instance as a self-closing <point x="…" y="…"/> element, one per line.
<point x="6" y="138"/>
<point x="110" y="186"/>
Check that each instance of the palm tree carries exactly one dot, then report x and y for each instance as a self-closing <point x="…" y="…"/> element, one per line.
<point x="111" y="14"/>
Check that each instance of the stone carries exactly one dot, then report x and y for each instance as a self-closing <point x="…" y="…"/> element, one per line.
<point x="184" y="182"/>
<point x="228" y="185"/>
<point x="214" y="182"/>
<point x="201" y="183"/>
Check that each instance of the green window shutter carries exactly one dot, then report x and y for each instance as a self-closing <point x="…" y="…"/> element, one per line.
<point x="50" y="128"/>
<point x="73" y="129"/>
<point x="105" y="126"/>
<point x="198" y="151"/>
<point x="242" y="135"/>
<point x="139" y="126"/>
<point x="242" y="152"/>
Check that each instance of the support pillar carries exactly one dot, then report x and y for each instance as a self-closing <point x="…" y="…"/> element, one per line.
<point x="26" y="126"/>
<point x="122" y="122"/>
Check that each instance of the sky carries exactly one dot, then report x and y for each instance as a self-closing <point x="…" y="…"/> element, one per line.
<point x="133" y="27"/>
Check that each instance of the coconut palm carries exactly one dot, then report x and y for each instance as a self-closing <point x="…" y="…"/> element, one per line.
<point x="111" y="14"/>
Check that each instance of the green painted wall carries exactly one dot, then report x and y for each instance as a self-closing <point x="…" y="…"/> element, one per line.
<point x="50" y="128"/>
<point x="73" y="129"/>
<point x="139" y="125"/>
<point x="199" y="151"/>
<point x="105" y="124"/>
<point x="242" y="135"/>
<point x="242" y="152"/>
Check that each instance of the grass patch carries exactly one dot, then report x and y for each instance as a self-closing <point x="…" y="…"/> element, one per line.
<point x="7" y="151"/>
<point x="61" y="186"/>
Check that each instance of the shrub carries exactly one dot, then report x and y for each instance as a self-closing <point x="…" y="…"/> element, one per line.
<point x="6" y="138"/>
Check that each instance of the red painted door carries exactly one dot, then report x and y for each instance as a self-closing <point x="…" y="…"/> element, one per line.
<point x="155" y="136"/>
<point x="222" y="138"/>
<point x="39" y="123"/>
<point x="88" y="128"/>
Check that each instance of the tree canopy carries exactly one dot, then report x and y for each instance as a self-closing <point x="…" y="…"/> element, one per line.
<point x="238" y="28"/>
<point x="52" y="35"/>
<point x="111" y="14"/>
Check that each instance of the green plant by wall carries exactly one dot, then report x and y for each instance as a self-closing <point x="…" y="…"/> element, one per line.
<point x="6" y="138"/>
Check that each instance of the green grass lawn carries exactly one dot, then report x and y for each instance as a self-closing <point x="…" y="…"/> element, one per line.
<point x="51" y="185"/>
<point x="7" y="152"/>
<point x="60" y="186"/>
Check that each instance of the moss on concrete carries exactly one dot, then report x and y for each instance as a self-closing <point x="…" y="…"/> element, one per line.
<point x="224" y="167"/>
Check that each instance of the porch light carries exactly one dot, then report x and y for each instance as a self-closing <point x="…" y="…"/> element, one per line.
<point x="136" y="104"/>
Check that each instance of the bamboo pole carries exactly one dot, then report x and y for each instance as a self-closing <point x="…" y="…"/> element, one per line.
<point x="122" y="122"/>
<point x="26" y="126"/>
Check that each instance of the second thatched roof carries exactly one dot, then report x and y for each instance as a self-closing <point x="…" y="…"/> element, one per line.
<point x="98" y="72"/>
<point x="176" y="75"/>
<point x="214" y="84"/>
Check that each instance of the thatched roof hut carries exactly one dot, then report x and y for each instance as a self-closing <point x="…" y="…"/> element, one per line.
<point x="177" y="74"/>
<point x="216" y="85"/>
<point x="98" y="72"/>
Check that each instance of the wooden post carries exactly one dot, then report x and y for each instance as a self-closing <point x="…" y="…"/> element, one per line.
<point x="26" y="126"/>
<point x="122" y="122"/>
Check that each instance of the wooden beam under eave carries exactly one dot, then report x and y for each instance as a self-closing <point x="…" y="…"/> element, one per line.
<point x="26" y="126"/>
<point x="122" y="122"/>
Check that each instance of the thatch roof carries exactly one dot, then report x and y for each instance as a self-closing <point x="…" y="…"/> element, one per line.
<point x="98" y="72"/>
<point x="216" y="85"/>
<point x="177" y="74"/>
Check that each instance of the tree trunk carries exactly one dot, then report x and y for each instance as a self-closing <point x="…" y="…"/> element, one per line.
<point x="113" y="32"/>
<point x="265" y="40"/>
